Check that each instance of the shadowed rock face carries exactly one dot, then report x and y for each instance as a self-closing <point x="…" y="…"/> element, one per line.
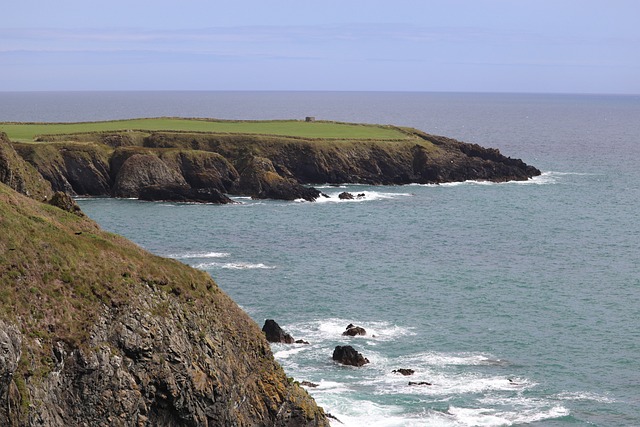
<point x="259" y="179"/>
<point x="143" y="170"/>
<point x="182" y="193"/>
<point x="76" y="169"/>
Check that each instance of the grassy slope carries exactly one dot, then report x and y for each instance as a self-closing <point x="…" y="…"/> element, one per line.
<point x="58" y="269"/>
<point x="320" y="129"/>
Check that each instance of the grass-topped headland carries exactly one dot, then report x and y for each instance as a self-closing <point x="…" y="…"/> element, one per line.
<point x="294" y="128"/>
<point x="262" y="159"/>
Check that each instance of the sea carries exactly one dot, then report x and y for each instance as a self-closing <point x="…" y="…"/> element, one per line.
<point x="518" y="303"/>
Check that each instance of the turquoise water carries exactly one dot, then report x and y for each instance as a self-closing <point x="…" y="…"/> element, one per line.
<point x="519" y="302"/>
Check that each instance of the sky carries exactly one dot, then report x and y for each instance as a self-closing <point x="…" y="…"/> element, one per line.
<point x="541" y="46"/>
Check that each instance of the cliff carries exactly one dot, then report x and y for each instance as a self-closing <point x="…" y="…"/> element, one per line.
<point x="95" y="331"/>
<point x="122" y="164"/>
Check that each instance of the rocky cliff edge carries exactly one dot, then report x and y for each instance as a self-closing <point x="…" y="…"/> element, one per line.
<point x="94" y="331"/>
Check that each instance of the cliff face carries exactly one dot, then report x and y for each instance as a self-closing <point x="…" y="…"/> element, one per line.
<point x="20" y="175"/>
<point x="260" y="166"/>
<point x="95" y="331"/>
<point x="75" y="168"/>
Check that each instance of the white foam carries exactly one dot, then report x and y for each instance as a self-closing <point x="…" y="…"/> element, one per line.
<point x="492" y="417"/>
<point x="233" y="266"/>
<point x="443" y="384"/>
<point x="367" y="197"/>
<point x="325" y="186"/>
<point x="332" y="328"/>
<point x="478" y="417"/>
<point x="199" y="255"/>
<point x="584" y="396"/>
<point x="457" y="359"/>
<point x="289" y="351"/>
<point x="545" y="178"/>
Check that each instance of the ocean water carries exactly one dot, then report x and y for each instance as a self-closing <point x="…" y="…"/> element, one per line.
<point x="518" y="302"/>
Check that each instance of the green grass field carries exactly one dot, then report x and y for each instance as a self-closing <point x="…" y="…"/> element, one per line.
<point x="295" y="128"/>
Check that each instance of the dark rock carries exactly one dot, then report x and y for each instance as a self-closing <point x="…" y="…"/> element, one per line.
<point x="74" y="168"/>
<point x="259" y="179"/>
<point x="361" y="196"/>
<point x="182" y="193"/>
<point x="347" y="355"/>
<point x="302" y="342"/>
<point x="309" y="384"/>
<point x="330" y="416"/>
<point x="144" y="170"/>
<point x="203" y="169"/>
<point x="404" y="371"/>
<point x="66" y="203"/>
<point x="274" y="332"/>
<point x="353" y="330"/>
<point x="345" y="196"/>
<point x="419" y="383"/>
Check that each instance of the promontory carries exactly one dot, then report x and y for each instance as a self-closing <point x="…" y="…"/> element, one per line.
<point x="205" y="159"/>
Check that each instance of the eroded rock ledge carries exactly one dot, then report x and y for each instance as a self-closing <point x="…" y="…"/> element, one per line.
<point x="259" y="166"/>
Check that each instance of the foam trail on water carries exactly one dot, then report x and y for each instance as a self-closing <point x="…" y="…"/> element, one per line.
<point x="492" y="417"/>
<point x="233" y="266"/>
<point x="189" y="255"/>
<point x="330" y="329"/>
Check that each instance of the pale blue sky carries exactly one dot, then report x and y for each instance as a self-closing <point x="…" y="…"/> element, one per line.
<point x="566" y="46"/>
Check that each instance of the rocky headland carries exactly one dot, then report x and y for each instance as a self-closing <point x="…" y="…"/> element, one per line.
<point x="94" y="331"/>
<point x="125" y="164"/>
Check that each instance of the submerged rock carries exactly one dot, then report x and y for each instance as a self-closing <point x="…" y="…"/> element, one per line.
<point x="275" y="333"/>
<point x="309" y="384"/>
<point x="347" y="355"/>
<point x="419" y="383"/>
<point x="345" y="196"/>
<point x="404" y="371"/>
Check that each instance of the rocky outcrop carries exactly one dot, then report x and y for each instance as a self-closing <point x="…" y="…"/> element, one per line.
<point x="259" y="179"/>
<point x="66" y="203"/>
<point x="144" y="170"/>
<point x="183" y="194"/>
<point x="274" y="333"/>
<point x="202" y="169"/>
<point x="94" y="331"/>
<point x="353" y="330"/>
<point x="20" y="175"/>
<point x="75" y="168"/>
<point x="347" y="355"/>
